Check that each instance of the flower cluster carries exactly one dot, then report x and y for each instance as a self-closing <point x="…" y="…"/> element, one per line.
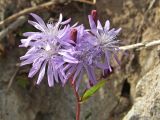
<point x="68" y="52"/>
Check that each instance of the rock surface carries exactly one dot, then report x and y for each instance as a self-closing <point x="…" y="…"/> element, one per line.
<point x="147" y="102"/>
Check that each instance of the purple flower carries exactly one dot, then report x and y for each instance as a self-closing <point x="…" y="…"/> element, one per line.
<point x="44" y="49"/>
<point x="87" y="55"/>
<point x="104" y="39"/>
<point x="66" y="51"/>
<point x="51" y="31"/>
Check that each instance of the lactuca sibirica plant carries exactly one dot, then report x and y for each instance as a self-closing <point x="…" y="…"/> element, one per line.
<point x="67" y="52"/>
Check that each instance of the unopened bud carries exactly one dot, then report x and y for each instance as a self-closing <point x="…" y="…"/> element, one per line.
<point x="90" y="83"/>
<point x="94" y="15"/>
<point x="73" y="35"/>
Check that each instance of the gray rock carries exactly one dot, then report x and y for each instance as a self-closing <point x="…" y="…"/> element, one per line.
<point x="147" y="102"/>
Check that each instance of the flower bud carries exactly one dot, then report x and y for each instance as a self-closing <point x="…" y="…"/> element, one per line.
<point x="73" y="35"/>
<point x="90" y="83"/>
<point x="94" y="15"/>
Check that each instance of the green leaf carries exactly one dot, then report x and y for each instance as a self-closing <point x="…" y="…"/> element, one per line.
<point x="88" y="93"/>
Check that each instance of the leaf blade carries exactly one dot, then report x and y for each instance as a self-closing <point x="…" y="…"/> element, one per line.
<point x="88" y="93"/>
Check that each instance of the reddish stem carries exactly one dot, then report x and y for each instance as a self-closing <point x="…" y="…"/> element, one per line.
<point x="73" y="36"/>
<point x="78" y="106"/>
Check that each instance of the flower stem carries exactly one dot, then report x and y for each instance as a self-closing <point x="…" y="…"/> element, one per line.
<point x="78" y="106"/>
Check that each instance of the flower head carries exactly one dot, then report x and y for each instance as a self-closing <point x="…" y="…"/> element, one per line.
<point x="104" y="38"/>
<point x="87" y="55"/>
<point x="55" y="32"/>
<point x="69" y="51"/>
<point x="44" y="49"/>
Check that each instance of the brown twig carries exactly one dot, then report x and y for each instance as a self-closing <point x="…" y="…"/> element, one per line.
<point x="152" y="2"/>
<point x="35" y="8"/>
<point x="19" y="22"/>
<point x="140" y="45"/>
<point x="87" y="1"/>
<point x="26" y="11"/>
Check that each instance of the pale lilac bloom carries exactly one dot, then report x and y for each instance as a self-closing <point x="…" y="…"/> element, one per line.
<point x="53" y="49"/>
<point x="56" y="31"/>
<point x="105" y="40"/>
<point x="44" y="48"/>
<point x="89" y="58"/>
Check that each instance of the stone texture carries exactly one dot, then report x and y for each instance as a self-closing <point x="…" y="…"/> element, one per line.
<point x="147" y="102"/>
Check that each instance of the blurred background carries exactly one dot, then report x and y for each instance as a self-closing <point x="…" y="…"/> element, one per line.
<point x="131" y="93"/>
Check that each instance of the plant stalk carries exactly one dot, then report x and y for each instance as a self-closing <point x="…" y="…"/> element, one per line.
<point x="78" y="106"/>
